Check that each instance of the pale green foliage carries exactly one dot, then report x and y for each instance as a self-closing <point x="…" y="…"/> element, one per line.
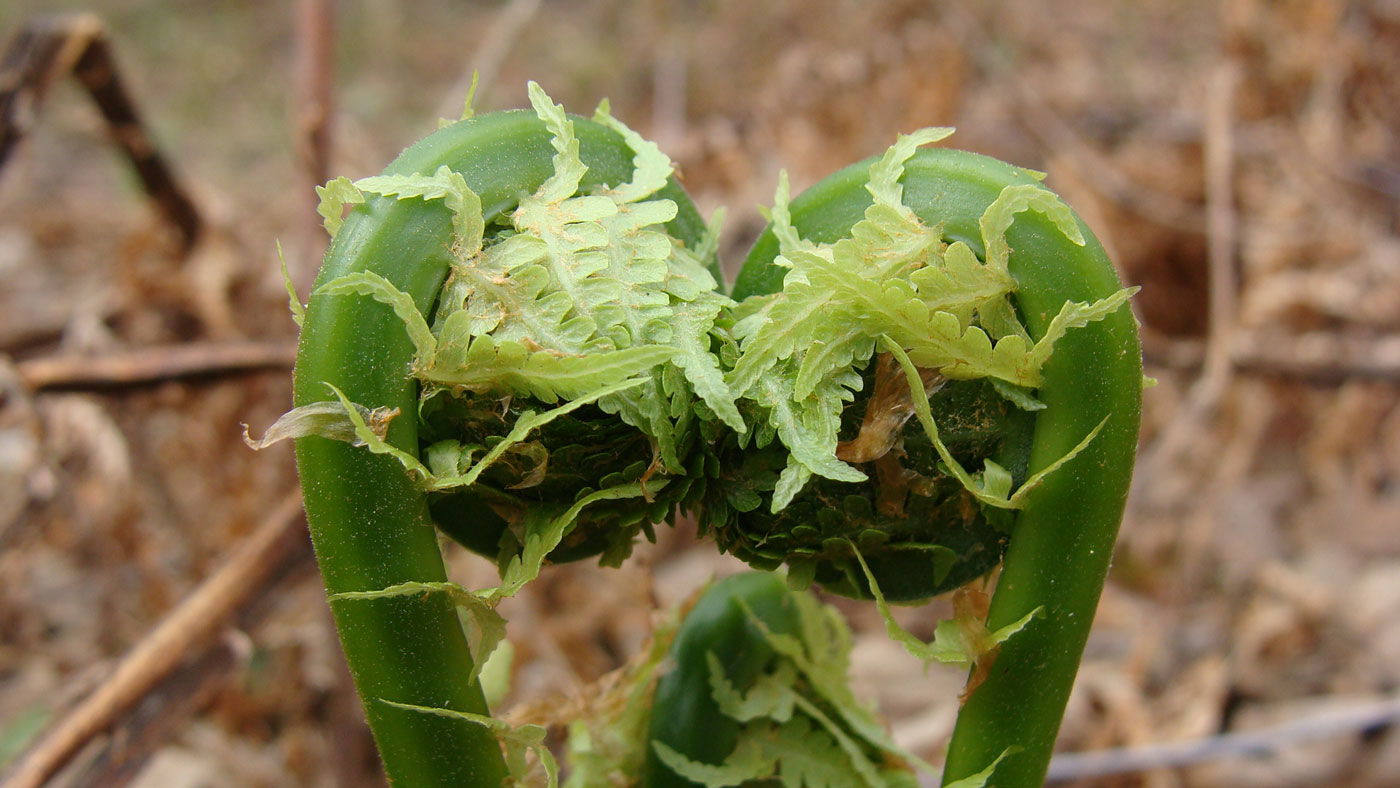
<point x="528" y="422"/>
<point x="747" y="762"/>
<point x="802" y="724"/>
<point x="799" y="754"/>
<point x="894" y="277"/>
<point x="770" y="696"/>
<point x="979" y="780"/>
<point x="605" y="746"/>
<point x="518" y="742"/>
<point x="482" y="364"/>
<point x="495" y="673"/>
<point x="488" y="627"/>
<point x="368" y="283"/>
<point x="993" y="485"/>
<point x="293" y="303"/>
<point x="803" y="757"/>
<point x="334" y="196"/>
<point x="584" y="291"/>
<point x="454" y="358"/>
<point x="449" y="463"/>
<point x="821" y="653"/>
<point x="445" y="185"/>
<point x="540" y="533"/>
<point x="957" y="641"/>
<point x="468" y="112"/>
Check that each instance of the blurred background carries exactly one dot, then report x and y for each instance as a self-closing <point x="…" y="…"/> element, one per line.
<point x="1239" y="159"/>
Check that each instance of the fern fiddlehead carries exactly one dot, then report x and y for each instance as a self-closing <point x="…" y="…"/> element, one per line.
<point x="370" y="519"/>
<point x="517" y="335"/>
<point x="1059" y="545"/>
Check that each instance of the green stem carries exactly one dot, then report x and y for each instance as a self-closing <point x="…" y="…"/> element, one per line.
<point x="368" y="520"/>
<point x="1063" y="538"/>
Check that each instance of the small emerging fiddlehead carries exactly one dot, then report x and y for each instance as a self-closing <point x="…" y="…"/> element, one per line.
<point x="749" y="687"/>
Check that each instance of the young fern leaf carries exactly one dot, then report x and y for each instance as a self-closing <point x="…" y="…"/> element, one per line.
<point x="781" y="219"/>
<point x="651" y="167"/>
<point x="543" y="534"/>
<point x="855" y="757"/>
<point x="445" y="185"/>
<point x="568" y="167"/>
<point x="519" y="742"/>
<point x="895" y="278"/>
<point x="790" y="482"/>
<point x="293" y="302"/>
<point x="821" y="654"/>
<point x="355" y="424"/>
<point x="770" y="696"/>
<point x="956" y="642"/>
<point x="1075" y="314"/>
<point x="809" y="431"/>
<point x="747" y="762"/>
<point x="997" y="219"/>
<point x="797" y="754"/>
<point x="367" y="283"/>
<point x="487" y="630"/>
<point x="528" y="422"/>
<point x="334" y="196"/>
<point x="806" y="757"/>
<point x="486" y="365"/>
<point x="993" y="488"/>
<point x="885" y="173"/>
<point x="374" y="442"/>
<point x="693" y="321"/>
<point x="979" y="780"/>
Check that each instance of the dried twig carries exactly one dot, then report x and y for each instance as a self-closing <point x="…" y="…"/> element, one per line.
<point x="1347" y="720"/>
<point x="1186" y="426"/>
<point x="1220" y="221"/>
<point x="163" y="712"/>
<point x="1056" y="134"/>
<point x="1318" y="358"/>
<point x="113" y="760"/>
<point x="188" y="626"/>
<point x="315" y="79"/>
<point x="495" y="44"/>
<point x="50" y="47"/>
<point x="154" y="365"/>
<point x="315" y="70"/>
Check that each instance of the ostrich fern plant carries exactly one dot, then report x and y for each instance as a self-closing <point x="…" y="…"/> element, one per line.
<point x="925" y="370"/>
